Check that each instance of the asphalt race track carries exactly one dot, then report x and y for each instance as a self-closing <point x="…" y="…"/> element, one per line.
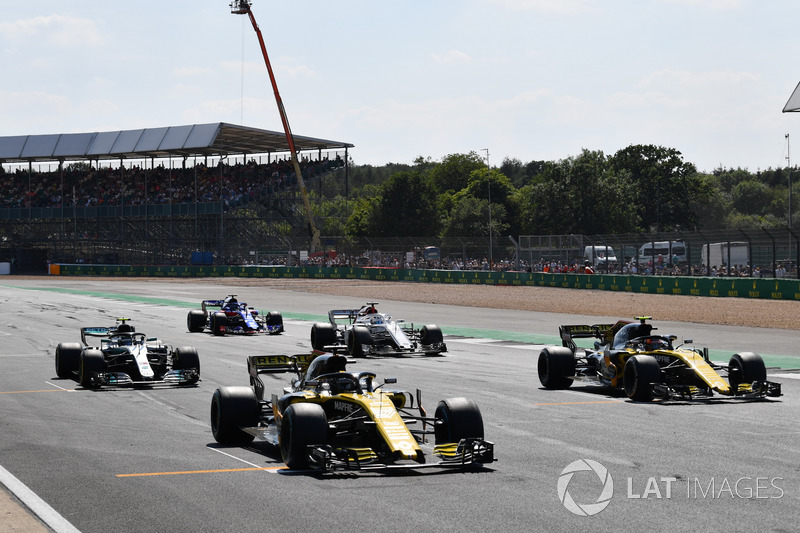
<point x="145" y="460"/>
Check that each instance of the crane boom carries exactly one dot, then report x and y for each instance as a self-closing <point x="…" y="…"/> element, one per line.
<point x="242" y="7"/>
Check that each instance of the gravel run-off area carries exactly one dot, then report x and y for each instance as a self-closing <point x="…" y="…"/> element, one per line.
<point x="782" y="314"/>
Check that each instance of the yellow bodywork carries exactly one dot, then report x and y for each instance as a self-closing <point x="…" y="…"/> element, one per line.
<point x="380" y="408"/>
<point x="696" y="362"/>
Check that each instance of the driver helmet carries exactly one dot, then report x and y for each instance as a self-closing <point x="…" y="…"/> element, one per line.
<point x="326" y="364"/>
<point x="655" y="343"/>
<point x="629" y="332"/>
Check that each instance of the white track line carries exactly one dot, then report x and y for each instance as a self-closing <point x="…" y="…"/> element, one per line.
<point x="38" y="506"/>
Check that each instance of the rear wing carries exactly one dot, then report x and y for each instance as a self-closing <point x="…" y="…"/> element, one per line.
<point x="212" y="303"/>
<point x="268" y="364"/>
<point x="342" y="314"/>
<point x="605" y="332"/>
<point x="94" y="332"/>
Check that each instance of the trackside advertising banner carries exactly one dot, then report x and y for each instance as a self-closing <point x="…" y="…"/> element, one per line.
<point x="775" y="289"/>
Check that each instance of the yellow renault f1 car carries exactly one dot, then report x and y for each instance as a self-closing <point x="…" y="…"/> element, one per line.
<point x="330" y="419"/>
<point x="627" y="355"/>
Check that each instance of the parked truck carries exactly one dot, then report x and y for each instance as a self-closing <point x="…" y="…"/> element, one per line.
<point x="725" y="253"/>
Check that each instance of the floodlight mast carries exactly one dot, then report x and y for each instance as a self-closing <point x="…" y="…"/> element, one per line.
<point x="242" y="7"/>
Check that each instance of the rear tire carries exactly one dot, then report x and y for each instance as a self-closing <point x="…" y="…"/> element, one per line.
<point x="196" y="320"/>
<point x="746" y="367"/>
<point x="218" y="321"/>
<point x="640" y="372"/>
<point x="322" y="335"/>
<point x="233" y="408"/>
<point x="68" y="357"/>
<point x="456" y="419"/>
<point x="303" y="425"/>
<point x="92" y="362"/>
<point x="556" y="367"/>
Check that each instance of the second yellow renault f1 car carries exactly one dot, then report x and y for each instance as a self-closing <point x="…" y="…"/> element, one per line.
<point x="330" y="419"/>
<point x="627" y="355"/>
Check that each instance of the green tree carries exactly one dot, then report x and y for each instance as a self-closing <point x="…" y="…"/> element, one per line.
<point x="665" y="185"/>
<point x="407" y="206"/>
<point x="752" y="197"/>
<point x="470" y="217"/>
<point x="452" y="174"/>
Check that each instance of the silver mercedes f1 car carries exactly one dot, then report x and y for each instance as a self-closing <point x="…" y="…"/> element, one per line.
<point x="125" y="357"/>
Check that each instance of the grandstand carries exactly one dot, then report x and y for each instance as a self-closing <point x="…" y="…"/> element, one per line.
<point x="155" y="196"/>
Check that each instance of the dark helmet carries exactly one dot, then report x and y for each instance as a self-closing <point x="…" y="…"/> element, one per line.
<point x="631" y="331"/>
<point x="326" y="364"/>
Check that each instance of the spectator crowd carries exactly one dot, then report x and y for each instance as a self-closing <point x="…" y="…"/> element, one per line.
<point x="85" y="186"/>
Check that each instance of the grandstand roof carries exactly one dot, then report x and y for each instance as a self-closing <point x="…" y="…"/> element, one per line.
<point x="196" y="140"/>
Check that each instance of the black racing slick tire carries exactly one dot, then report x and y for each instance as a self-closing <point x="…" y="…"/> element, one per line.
<point x="746" y="367"/>
<point x="359" y="336"/>
<point x="68" y="357"/>
<point x="186" y="358"/>
<point x="196" y="320"/>
<point x="218" y="321"/>
<point x="92" y="362"/>
<point x="640" y="372"/>
<point x="234" y="408"/>
<point x="456" y="419"/>
<point x="430" y="334"/>
<point x="556" y="367"/>
<point x="322" y="335"/>
<point x="303" y="425"/>
<point x="274" y="318"/>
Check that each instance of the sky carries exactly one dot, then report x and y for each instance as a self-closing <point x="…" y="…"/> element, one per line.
<point x="521" y="79"/>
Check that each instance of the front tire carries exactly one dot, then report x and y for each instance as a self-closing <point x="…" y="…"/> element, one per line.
<point x="431" y="335"/>
<point x="745" y="367"/>
<point x="640" y="372"/>
<point x="186" y="358"/>
<point x="218" y="322"/>
<point x="303" y="425"/>
<point x="233" y="408"/>
<point x="275" y="320"/>
<point x="456" y="419"/>
<point x="556" y="367"/>
<point x="359" y="336"/>
<point x="92" y="363"/>
<point x="68" y="357"/>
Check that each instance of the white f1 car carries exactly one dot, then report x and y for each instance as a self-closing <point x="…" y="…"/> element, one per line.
<point x="365" y="331"/>
<point x="125" y="357"/>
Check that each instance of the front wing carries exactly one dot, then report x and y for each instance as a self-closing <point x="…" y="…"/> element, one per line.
<point x="122" y="379"/>
<point x="464" y="454"/>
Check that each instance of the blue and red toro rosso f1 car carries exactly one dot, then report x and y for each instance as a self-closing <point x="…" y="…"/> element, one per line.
<point x="232" y="316"/>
